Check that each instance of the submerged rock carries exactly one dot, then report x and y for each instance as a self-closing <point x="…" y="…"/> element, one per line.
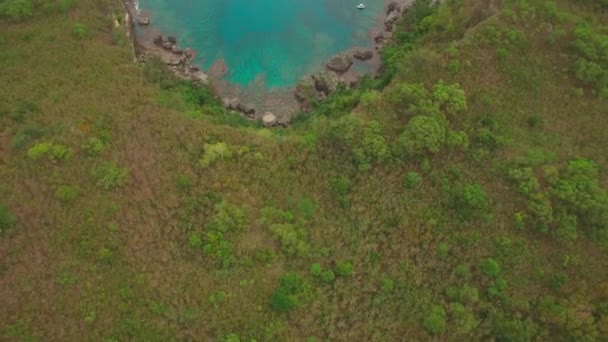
<point x="363" y="55"/>
<point x="340" y="63"/>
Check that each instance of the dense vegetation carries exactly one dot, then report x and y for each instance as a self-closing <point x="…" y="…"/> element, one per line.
<point x="462" y="195"/>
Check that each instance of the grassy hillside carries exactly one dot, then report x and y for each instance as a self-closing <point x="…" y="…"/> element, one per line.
<point x="460" y="196"/>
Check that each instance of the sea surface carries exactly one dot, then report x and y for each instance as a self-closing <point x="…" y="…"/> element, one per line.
<point x="273" y="42"/>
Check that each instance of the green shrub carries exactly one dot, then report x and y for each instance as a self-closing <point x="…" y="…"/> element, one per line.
<point x="307" y="208"/>
<point x="490" y="267"/>
<point x="292" y="239"/>
<point x="25" y="135"/>
<point x="54" y="152"/>
<point x="592" y="65"/>
<point x="422" y="135"/>
<point x="183" y="182"/>
<point x="109" y="176"/>
<point x="225" y="224"/>
<point x="450" y="98"/>
<point x="7" y="220"/>
<point x="363" y="141"/>
<point x="462" y="271"/>
<point x="471" y="201"/>
<point x="66" y="194"/>
<point x="289" y="294"/>
<point x="412" y="180"/>
<point x="93" y="147"/>
<point x="79" y="31"/>
<point x="215" y="152"/>
<point x="345" y="269"/>
<point x="435" y="320"/>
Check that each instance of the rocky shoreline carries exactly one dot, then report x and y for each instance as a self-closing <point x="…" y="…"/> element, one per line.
<point x="337" y="71"/>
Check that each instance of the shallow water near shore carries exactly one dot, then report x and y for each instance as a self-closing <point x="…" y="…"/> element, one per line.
<point x="267" y="45"/>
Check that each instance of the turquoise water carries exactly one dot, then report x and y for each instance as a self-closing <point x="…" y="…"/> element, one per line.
<point x="275" y="41"/>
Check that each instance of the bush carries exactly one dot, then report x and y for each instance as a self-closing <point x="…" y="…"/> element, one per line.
<point x="450" y="98"/>
<point x="25" y="135"/>
<point x="79" y="31"/>
<point x="7" y="220"/>
<point x="215" y="152"/>
<point x="325" y="275"/>
<point x="423" y="134"/>
<point x="435" y="322"/>
<point x="66" y="194"/>
<point x="109" y="176"/>
<point x="54" y="152"/>
<point x="592" y="65"/>
<point x="292" y="239"/>
<point x="345" y="268"/>
<point x="226" y="223"/>
<point x="363" y="141"/>
<point x="93" y="147"/>
<point x="490" y="267"/>
<point x="289" y="294"/>
<point x="471" y="201"/>
<point x="412" y="180"/>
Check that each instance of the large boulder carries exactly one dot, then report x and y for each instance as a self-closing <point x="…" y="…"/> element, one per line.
<point x="172" y="40"/>
<point x="380" y="37"/>
<point x="269" y="119"/>
<point x="363" y="55"/>
<point x="158" y="40"/>
<point x="326" y="82"/>
<point x="340" y="63"/>
<point x="305" y="89"/>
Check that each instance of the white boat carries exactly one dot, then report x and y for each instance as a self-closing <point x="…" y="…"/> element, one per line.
<point x="360" y="6"/>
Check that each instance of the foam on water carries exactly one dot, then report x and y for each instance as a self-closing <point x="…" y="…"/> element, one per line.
<point x="275" y="42"/>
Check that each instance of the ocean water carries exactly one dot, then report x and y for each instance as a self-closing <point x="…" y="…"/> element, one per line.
<point x="268" y="42"/>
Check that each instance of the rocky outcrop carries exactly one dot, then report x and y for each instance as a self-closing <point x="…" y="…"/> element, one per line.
<point x="236" y="105"/>
<point x="340" y="63"/>
<point x="363" y="55"/>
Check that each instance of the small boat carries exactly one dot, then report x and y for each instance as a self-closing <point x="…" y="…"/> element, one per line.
<point x="360" y="6"/>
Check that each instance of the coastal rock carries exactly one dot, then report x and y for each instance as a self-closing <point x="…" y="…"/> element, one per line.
<point x="363" y="55"/>
<point x="247" y="109"/>
<point x="143" y="21"/>
<point x="172" y="40"/>
<point x="176" y="50"/>
<point x="174" y="61"/>
<point x="391" y="19"/>
<point x="380" y="37"/>
<point x="269" y="120"/>
<point x="305" y="89"/>
<point x="193" y="68"/>
<point x="393" y="6"/>
<point x="200" y="77"/>
<point x="340" y="63"/>
<point x="234" y="104"/>
<point x="189" y="53"/>
<point x="158" y="40"/>
<point x="226" y="103"/>
<point x="326" y="82"/>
